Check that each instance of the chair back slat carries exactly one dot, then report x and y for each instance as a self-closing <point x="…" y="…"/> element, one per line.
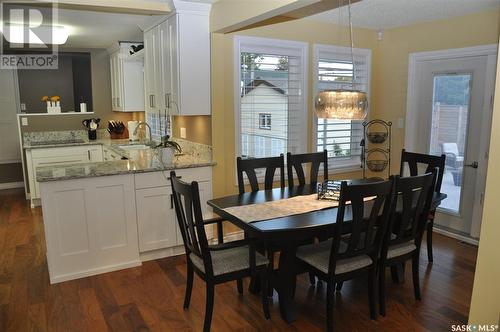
<point x="190" y="219"/>
<point x="296" y="161"/>
<point x="430" y="162"/>
<point x="248" y="166"/>
<point x="368" y="206"/>
<point x="412" y="198"/>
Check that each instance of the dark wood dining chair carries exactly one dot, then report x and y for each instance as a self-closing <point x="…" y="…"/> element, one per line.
<point x="214" y="264"/>
<point x="412" y="199"/>
<point x="430" y="162"/>
<point x="297" y="161"/>
<point x="343" y="258"/>
<point x="249" y="166"/>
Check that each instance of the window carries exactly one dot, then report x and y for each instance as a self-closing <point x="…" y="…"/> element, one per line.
<point x="270" y="88"/>
<point x="334" y="70"/>
<point x="264" y="121"/>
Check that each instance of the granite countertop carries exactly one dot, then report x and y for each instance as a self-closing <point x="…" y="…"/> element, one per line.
<point x="75" y="142"/>
<point x="141" y="161"/>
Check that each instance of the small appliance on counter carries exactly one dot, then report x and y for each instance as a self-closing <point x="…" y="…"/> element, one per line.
<point x="117" y="130"/>
<point x="132" y="134"/>
<point x="92" y="125"/>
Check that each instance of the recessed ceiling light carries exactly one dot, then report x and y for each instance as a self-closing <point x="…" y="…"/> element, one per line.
<point x="41" y="35"/>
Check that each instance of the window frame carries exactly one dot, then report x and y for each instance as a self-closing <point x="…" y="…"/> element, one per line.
<point x="266" y="123"/>
<point x="352" y="163"/>
<point x="268" y="45"/>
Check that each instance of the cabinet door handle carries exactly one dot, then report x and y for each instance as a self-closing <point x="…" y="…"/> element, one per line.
<point x="88" y="153"/>
<point x="153" y="101"/>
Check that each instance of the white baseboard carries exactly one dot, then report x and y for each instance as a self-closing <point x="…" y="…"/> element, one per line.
<point x="11" y="185"/>
<point x="91" y="272"/>
<point x="459" y="237"/>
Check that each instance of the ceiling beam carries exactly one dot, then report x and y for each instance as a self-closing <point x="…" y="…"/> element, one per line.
<point x="293" y="11"/>
<point x="143" y="7"/>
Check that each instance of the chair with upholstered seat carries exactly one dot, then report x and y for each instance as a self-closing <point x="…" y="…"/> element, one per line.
<point x="313" y="160"/>
<point x="412" y="198"/>
<point x="251" y="167"/>
<point x="343" y="258"/>
<point x="429" y="163"/>
<point x="214" y="264"/>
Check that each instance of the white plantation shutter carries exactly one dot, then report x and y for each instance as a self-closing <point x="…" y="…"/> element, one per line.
<point x="271" y="85"/>
<point x="334" y="70"/>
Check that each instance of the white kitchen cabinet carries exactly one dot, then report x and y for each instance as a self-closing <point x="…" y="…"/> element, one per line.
<point x="127" y="79"/>
<point x="90" y="226"/>
<point x="156" y="219"/>
<point x="177" y="64"/>
<point x="151" y="70"/>
<point x="55" y="156"/>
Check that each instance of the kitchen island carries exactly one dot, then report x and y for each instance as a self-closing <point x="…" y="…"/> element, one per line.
<point x="105" y="216"/>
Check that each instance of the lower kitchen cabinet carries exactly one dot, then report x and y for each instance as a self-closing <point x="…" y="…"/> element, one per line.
<point x="105" y="223"/>
<point x="90" y="226"/>
<point x="156" y="220"/>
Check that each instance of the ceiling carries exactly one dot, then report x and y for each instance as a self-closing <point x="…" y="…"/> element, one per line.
<point x="384" y="14"/>
<point x="90" y="29"/>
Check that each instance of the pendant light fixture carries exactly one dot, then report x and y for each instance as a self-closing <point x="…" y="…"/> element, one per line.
<point x="343" y="104"/>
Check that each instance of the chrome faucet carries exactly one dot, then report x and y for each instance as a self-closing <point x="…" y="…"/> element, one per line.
<point x="150" y="136"/>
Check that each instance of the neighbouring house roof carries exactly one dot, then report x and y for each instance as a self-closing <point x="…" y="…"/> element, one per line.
<point x="257" y="82"/>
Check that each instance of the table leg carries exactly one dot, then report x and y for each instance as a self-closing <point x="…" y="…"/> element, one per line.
<point x="286" y="279"/>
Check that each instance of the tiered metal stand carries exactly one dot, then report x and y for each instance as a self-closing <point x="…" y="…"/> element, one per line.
<point x="376" y="147"/>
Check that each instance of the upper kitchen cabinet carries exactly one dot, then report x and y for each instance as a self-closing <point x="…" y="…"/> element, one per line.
<point x="177" y="64"/>
<point x="127" y="79"/>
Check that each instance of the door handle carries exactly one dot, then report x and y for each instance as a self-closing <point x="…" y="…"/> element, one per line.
<point x="153" y="103"/>
<point x="88" y="154"/>
<point x="474" y="164"/>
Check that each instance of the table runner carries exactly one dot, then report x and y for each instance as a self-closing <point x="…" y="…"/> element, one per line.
<point x="280" y="208"/>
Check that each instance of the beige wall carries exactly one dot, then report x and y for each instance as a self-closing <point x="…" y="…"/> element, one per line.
<point x="390" y="60"/>
<point x="223" y="134"/>
<point x="485" y="305"/>
<point x="388" y="82"/>
<point x="198" y="128"/>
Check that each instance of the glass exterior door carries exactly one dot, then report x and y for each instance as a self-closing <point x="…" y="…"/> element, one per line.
<point x="450" y="120"/>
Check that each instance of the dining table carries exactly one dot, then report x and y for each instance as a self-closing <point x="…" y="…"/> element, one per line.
<point x="287" y="232"/>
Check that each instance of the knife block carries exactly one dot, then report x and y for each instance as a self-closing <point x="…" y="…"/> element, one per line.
<point x="119" y="136"/>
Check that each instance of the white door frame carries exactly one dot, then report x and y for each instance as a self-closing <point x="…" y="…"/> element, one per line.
<point x="412" y="114"/>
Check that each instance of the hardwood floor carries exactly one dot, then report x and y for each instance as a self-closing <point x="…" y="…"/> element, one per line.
<point x="150" y="297"/>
